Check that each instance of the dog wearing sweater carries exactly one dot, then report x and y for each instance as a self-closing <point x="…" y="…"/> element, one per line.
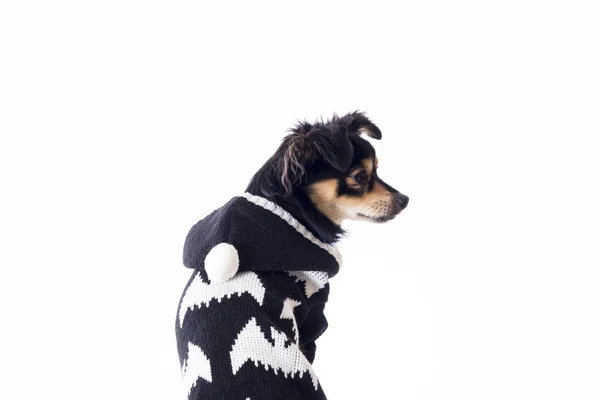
<point x="252" y="310"/>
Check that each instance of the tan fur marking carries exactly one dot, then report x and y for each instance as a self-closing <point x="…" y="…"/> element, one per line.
<point x="376" y="203"/>
<point x="351" y="182"/>
<point x="350" y="178"/>
<point x="367" y="163"/>
<point x="323" y="194"/>
<point x="379" y="190"/>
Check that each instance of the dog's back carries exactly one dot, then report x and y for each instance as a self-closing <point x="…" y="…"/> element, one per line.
<point x="252" y="335"/>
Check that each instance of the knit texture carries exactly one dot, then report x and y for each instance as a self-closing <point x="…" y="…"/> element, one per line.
<point x="250" y="314"/>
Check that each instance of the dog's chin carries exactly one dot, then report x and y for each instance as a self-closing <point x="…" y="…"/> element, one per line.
<point x="379" y="219"/>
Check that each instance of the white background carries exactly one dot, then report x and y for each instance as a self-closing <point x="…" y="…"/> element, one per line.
<point x="123" y="122"/>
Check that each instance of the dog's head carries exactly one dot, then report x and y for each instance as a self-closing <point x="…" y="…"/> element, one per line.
<point x="337" y="168"/>
<point x="328" y="169"/>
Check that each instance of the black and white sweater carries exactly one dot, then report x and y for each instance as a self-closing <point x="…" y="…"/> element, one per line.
<point x="251" y="312"/>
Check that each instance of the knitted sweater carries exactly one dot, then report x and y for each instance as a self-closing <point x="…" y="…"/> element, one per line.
<point x="250" y="314"/>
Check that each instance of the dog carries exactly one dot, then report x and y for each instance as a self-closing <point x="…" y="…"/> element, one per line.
<point x="252" y="310"/>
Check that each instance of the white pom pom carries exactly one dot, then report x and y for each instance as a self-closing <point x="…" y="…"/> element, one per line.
<point x="221" y="262"/>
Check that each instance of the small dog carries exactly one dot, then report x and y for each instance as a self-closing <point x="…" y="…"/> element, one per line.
<point x="250" y="314"/>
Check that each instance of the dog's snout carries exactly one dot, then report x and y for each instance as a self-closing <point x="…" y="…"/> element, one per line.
<point x="401" y="200"/>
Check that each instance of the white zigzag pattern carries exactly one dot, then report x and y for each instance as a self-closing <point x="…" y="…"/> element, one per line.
<point x="195" y="366"/>
<point x="288" y="313"/>
<point x="313" y="280"/>
<point x="252" y="345"/>
<point x="200" y="293"/>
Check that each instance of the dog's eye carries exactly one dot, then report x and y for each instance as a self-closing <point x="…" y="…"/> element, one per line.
<point x="361" y="177"/>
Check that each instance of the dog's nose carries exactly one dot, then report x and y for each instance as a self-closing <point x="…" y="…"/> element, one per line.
<point x="401" y="200"/>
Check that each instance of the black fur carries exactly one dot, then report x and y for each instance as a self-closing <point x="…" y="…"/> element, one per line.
<point x="310" y="153"/>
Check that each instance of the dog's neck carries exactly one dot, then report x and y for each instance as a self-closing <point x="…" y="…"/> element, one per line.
<point x="301" y="207"/>
<point x="266" y="183"/>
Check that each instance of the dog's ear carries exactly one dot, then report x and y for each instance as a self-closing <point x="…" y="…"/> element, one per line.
<point x="296" y="155"/>
<point x="306" y="146"/>
<point x="334" y="148"/>
<point x="358" y="122"/>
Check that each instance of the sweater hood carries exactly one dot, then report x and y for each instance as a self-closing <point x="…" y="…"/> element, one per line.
<point x="251" y="233"/>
